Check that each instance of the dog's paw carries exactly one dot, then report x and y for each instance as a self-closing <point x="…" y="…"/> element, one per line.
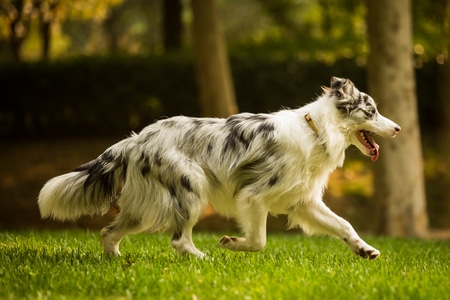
<point x="226" y="240"/>
<point x="368" y="252"/>
<point x="241" y="244"/>
<point x="112" y="250"/>
<point x="113" y="253"/>
<point x="233" y="243"/>
<point x="361" y="248"/>
<point x="109" y="246"/>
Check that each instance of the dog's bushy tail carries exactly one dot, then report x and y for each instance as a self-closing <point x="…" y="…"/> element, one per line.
<point x="89" y="190"/>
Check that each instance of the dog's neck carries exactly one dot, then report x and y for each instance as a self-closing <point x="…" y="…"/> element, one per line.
<point x="327" y="131"/>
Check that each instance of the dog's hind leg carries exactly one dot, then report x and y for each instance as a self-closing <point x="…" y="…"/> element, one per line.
<point x="112" y="235"/>
<point x="182" y="241"/>
<point x="187" y="210"/>
<point x="252" y="218"/>
<point x="317" y="218"/>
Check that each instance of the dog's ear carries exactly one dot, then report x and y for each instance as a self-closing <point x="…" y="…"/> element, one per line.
<point x="326" y="89"/>
<point x="346" y="93"/>
<point x="338" y="86"/>
<point x="343" y="88"/>
<point x="338" y="83"/>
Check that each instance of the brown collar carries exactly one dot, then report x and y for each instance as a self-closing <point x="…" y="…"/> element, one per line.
<point x="316" y="131"/>
<point x="311" y="124"/>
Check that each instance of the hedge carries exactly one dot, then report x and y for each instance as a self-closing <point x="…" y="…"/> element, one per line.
<point x="111" y="96"/>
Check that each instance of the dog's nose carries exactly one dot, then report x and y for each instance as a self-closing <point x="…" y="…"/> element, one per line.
<point x="397" y="128"/>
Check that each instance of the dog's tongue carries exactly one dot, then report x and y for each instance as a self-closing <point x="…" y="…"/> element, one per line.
<point x="375" y="151"/>
<point x="375" y="147"/>
<point x="366" y="139"/>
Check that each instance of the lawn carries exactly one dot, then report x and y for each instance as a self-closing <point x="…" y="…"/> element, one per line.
<point x="70" y="265"/>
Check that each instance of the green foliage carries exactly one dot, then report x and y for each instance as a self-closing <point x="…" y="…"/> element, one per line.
<point x="70" y="265"/>
<point x="431" y="29"/>
<point x="25" y="22"/>
<point x="323" y="30"/>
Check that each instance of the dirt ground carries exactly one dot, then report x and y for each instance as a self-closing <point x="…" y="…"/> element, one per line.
<point x="26" y="166"/>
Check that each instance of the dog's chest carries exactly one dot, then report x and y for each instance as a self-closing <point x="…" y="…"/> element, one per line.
<point x="302" y="185"/>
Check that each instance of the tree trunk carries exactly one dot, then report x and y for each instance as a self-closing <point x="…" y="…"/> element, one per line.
<point x="18" y="30"/>
<point x="46" y="17"/>
<point x="444" y="134"/>
<point x="109" y="26"/>
<point x="216" y="89"/>
<point x="172" y="26"/>
<point x="399" y="179"/>
<point x="46" y="39"/>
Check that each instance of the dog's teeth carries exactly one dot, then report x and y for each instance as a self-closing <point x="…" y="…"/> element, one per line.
<point x="363" y="135"/>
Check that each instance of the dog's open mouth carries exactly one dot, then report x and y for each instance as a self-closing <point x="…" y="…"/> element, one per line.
<point x="368" y="142"/>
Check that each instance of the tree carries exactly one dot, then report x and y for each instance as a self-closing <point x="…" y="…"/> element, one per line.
<point x="216" y="89"/>
<point x="172" y="24"/>
<point x="399" y="179"/>
<point x="47" y="12"/>
<point x="444" y="93"/>
<point x="17" y="14"/>
<point x="445" y="87"/>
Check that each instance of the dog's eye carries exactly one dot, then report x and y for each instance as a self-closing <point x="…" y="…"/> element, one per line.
<point x="370" y="112"/>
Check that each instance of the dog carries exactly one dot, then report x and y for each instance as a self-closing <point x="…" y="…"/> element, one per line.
<point x="247" y="166"/>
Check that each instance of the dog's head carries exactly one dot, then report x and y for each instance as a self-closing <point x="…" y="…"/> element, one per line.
<point x="360" y="116"/>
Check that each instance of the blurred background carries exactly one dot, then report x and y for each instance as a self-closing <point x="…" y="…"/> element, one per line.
<point x="79" y="75"/>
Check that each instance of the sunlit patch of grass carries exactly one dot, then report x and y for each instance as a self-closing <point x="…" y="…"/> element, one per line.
<point x="70" y="265"/>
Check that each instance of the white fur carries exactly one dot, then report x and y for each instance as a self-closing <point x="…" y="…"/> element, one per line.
<point x="246" y="166"/>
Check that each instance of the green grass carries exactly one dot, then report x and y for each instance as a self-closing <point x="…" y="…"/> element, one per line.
<point x="70" y="265"/>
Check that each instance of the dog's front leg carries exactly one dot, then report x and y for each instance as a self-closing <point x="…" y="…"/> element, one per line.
<point x="317" y="218"/>
<point x="252" y="218"/>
